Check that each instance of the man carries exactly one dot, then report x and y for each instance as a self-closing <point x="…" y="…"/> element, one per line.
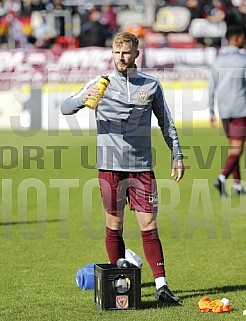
<point x="124" y="153"/>
<point x="93" y="32"/>
<point x="228" y="81"/>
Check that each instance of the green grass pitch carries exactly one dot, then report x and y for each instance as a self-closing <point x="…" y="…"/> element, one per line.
<point x="52" y="224"/>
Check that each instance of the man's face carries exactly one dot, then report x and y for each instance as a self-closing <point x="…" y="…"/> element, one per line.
<point x="124" y="56"/>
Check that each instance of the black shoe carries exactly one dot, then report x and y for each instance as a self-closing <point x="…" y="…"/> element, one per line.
<point x="221" y="188"/>
<point x="165" y="295"/>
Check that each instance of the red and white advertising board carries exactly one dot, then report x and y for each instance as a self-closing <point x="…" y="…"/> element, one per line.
<point x="33" y="83"/>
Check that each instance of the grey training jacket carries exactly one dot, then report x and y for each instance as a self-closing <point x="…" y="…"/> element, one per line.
<point x="227" y="83"/>
<point x="123" y="119"/>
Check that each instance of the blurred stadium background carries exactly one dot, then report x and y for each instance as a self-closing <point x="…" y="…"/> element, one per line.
<point x="49" y="48"/>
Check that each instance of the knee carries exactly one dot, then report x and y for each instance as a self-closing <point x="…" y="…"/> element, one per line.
<point x="148" y="225"/>
<point x="236" y="148"/>
<point x="146" y="221"/>
<point x="114" y="222"/>
<point x="235" y="152"/>
<point x="115" y="226"/>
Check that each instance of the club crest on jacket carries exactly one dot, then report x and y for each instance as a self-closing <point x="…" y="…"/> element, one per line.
<point x="143" y="95"/>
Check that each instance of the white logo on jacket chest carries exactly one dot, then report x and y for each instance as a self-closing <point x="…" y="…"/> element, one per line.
<point x="115" y="94"/>
<point x="143" y="95"/>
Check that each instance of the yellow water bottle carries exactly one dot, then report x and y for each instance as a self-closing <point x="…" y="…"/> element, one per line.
<point x="102" y="84"/>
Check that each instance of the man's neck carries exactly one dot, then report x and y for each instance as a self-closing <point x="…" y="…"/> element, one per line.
<point x="129" y="71"/>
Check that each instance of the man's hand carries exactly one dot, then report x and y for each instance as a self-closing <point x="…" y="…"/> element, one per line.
<point x="90" y="93"/>
<point x="179" y="167"/>
<point x="213" y="120"/>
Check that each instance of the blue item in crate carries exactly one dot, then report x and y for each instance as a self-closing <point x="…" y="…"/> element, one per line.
<point x="85" y="277"/>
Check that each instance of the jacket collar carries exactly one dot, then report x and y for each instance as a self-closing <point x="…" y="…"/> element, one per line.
<point x="229" y="49"/>
<point x="131" y="73"/>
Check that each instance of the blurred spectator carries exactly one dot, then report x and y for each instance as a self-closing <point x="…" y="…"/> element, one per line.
<point x="109" y="19"/>
<point x="26" y="8"/>
<point x="40" y="37"/>
<point x="242" y="15"/>
<point x="58" y="5"/>
<point x="38" y="5"/>
<point x="236" y="14"/>
<point x="15" y="28"/>
<point x="195" y="8"/>
<point x="12" y="6"/>
<point x="231" y="13"/>
<point x="17" y="38"/>
<point x="3" y="24"/>
<point x="93" y="32"/>
<point x="2" y="9"/>
<point x="215" y="11"/>
<point x="59" y="19"/>
<point x="83" y="14"/>
<point x="75" y="16"/>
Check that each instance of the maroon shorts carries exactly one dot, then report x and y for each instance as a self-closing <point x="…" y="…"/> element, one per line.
<point x="138" y="188"/>
<point x="235" y="128"/>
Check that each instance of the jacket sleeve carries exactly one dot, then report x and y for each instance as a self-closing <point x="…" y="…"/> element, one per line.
<point x="165" y="121"/>
<point x="74" y="103"/>
<point x="211" y="90"/>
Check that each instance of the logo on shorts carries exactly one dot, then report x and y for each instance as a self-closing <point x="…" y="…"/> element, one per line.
<point x="143" y="95"/>
<point x="153" y="200"/>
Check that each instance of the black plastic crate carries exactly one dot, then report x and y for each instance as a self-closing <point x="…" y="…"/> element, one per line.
<point x="117" y="288"/>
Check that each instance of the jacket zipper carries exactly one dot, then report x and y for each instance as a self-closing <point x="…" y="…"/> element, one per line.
<point x="128" y="90"/>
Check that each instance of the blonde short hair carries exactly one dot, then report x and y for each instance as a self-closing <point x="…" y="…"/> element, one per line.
<point x="125" y="37"/>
